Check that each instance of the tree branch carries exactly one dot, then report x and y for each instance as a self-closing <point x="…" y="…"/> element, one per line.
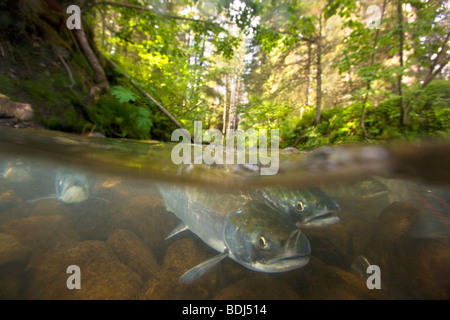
<point x="433" y="73"/>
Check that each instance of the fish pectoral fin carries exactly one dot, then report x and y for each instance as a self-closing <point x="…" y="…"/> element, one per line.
<point x="39" y="199"/>
<point x="178" y="229"/>
<point x="198" y="271"/>
<point x="101" y="199"/>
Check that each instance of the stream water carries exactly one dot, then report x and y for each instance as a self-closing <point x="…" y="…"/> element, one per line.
<point x="83" y="218"/>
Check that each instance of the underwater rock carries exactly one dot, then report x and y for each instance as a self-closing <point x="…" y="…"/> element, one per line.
<point x="318" y="280"/>
<point x="411" y="268"/>
<point x="8" y="200"/>
<point x="259" y="287"/>
<point x="42" y="233"/>
<point x="20" y="211"/>
<point x="233" y="272"/>
<point x="12" y="250"/>
<point x="7" y="197"/>
<point x="50" y="207"/>
<point x="13" y="209"/>
<point x="142" y="213"/>
<point x="11" y="276"/>
<point x="90" y="219"/>
<point x="358" y="237"/>
<point x="14" y="257"/>
<point x="152" y="223"/>
<point x="103" y="276"/>
<point x="181" y="256"/>
<point x="165" y="286"/>
<point x="133" y="252"/>
<point x="329" y="244"/>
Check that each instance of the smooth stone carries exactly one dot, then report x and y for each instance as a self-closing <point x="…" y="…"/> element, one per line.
<point x="260" y="287"/>
<point x="42" y="233"/>
<point x="102" y="275"/>
<point x="133" y="252"/>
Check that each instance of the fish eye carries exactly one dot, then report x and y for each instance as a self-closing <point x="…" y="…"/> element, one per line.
<point x="262" y="243"/>
<point x="300" y="206"/>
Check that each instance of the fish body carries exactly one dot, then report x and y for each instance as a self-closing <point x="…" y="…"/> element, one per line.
<point x="308" y="207"/>
<point x="17" y="170"/>
<point x="434" y="204"/>
<point x="71" y="187"/>
<point x="249" y="231"/>
<point x="365" y="189"/>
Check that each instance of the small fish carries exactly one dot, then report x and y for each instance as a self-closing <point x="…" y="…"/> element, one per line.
<point x="250" y="232"/>
<point x="368" y="188"/>
<point x="17" y="170"/>
<point x="71" y="187"/>
<point x="308" y="207"/>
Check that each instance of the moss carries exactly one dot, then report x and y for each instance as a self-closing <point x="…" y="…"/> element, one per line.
<point x="6" y="85"/>
<point x="39" y="91"/>
<point x="68" y="120"/>
<point x="82" y="72"/>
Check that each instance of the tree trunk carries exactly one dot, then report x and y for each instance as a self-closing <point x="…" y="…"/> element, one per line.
<point x="99" y="73"/>
<point x="403" y="111"/>
<point x="224" y="127"/>
<point x="233" y="99"/>
<point x="369" y="82"/>
<point x="308" y="74"/>
<point x="319" y="72"/>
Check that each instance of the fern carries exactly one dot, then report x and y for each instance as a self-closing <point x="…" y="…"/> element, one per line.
<point x="123" y="94"/>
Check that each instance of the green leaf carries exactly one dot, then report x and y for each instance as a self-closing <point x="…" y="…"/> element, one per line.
<point x="123" y="94"/>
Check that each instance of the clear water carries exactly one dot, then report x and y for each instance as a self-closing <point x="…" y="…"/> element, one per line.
<point x="394" y="217"/>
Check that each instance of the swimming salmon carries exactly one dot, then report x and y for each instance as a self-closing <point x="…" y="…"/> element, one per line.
<point x="71" y="187"/>
<point x="307" y="207"/>
<point x="249" y="231"/>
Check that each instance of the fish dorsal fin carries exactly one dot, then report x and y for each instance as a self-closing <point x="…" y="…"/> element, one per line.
<point x="180" y="228"/>
<point x="198" y="271"/>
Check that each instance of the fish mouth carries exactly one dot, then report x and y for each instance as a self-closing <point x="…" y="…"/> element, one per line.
<point x="296" y="253"/>
<point x="288" y="263"/>
<point x="321" y="219"/>
<point x="292" y="258"/>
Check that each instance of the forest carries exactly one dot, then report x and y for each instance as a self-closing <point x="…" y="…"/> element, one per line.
<point x="322" y="72"/>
